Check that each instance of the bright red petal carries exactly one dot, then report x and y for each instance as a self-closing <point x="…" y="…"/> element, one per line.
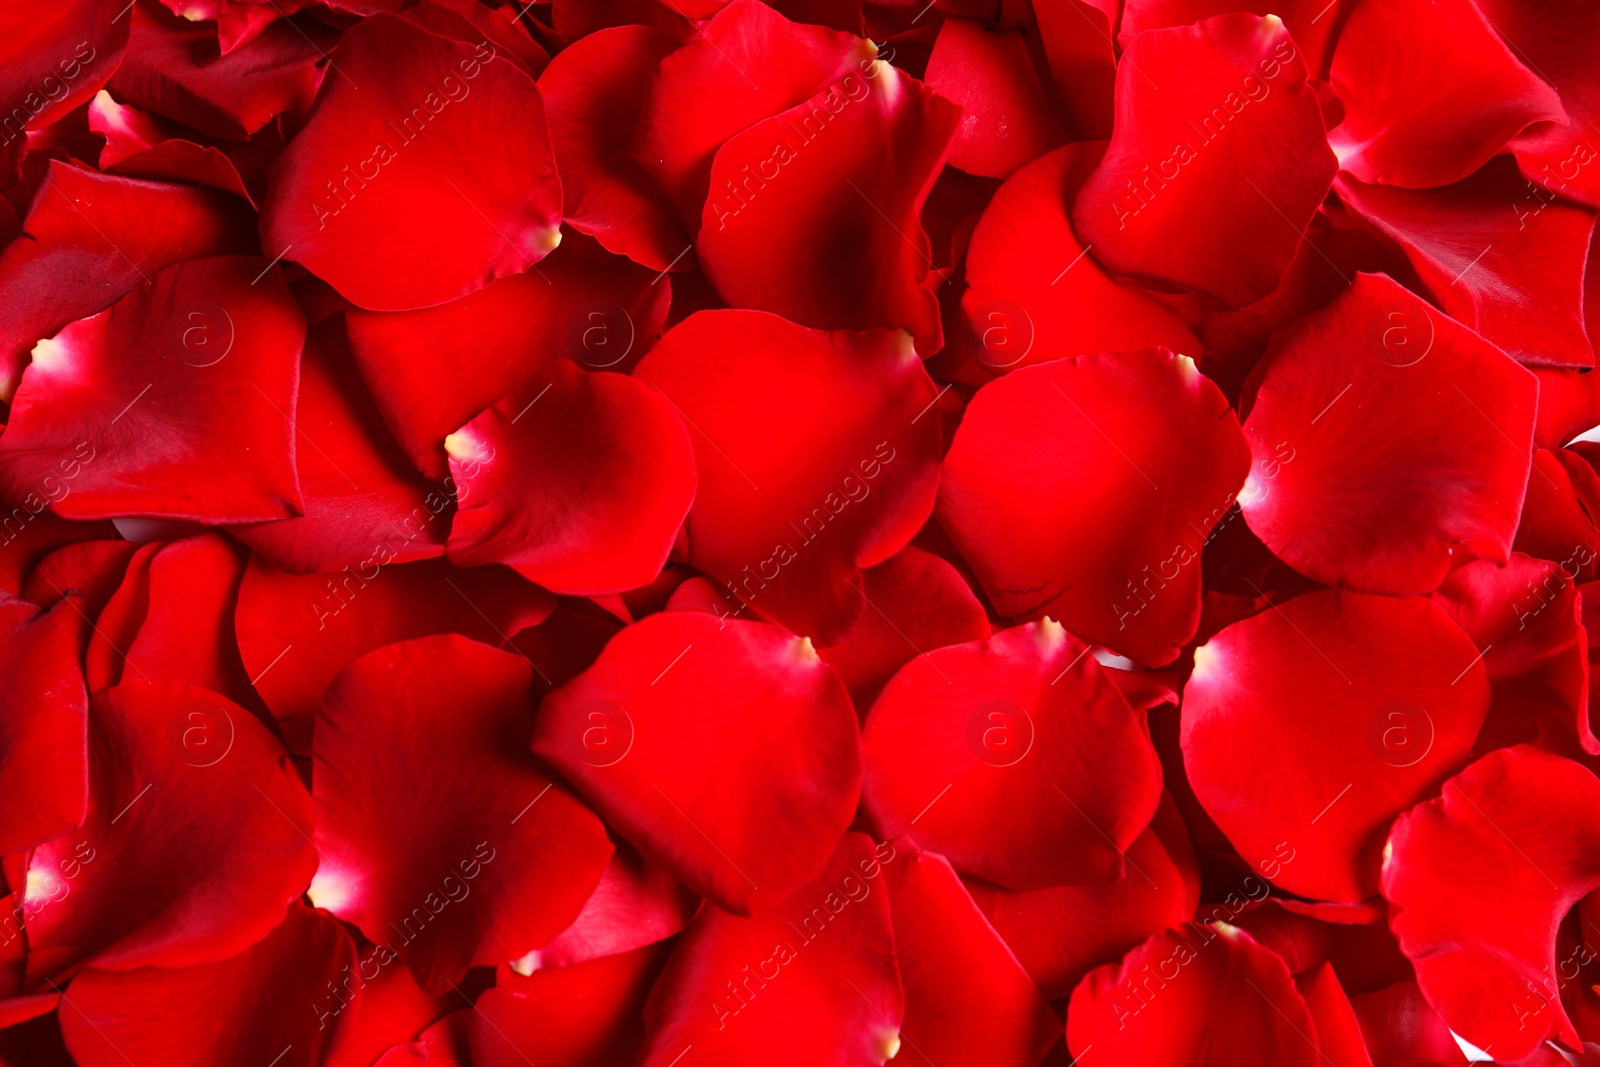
<point x="637" y="903"/>
<point x="44" y="708"/>
<point x="1006" y="119"/>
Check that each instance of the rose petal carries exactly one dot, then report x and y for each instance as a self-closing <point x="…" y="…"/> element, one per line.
<point x="1362" y="490"/>
<point x="470" y="872"/>
<point x="637" y="903"/>
<point x="1311" y="22"/>
<point x="1209" y="182"/>
<point x="44" y="708"/>
<point x="815" y="453"/>
<point x="1003" y="727"/>
<point x="1373" y="700"/>
<point x="1006" y="119"/>
<point x="1140" y="440"/>
<point x="55" y="58"/>
<point x="397" y="213"/>
<point x="683" y="710"/>
<point x="1339" y="1038"/>
<point x="1401" y="1029"/>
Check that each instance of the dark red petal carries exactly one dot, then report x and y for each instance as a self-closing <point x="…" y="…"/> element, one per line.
<point x="1033" y="294"/>
<point x="375" y="1004"/>
<point x="1006" y="119"/>
<point x="816" y="452"/>
<point x="384" y="195"/>
<point x="1430" y="92"/>
<point x="684" y="710"/>
<point x="579" y="480"/>
<point x="230" y="97"/>
<point x="1402" y="1030"/>
<point x="1140" y="440"/>
<point x="783" y="233"/>
<point x="432" y="371"/>
<point x="1485" y="948"/>
<point x="593" y="93"/>
<point x="968" y="1000"/>
<point x="1310" y="22"/>
<point x="1212" y="177"/>
<point x="1075" y="36"/>
<point x="1180" y="994"/>
<point x="1528" y="618"/>
<point x="1556" y="523"/>
<point x="29" y="533"/>
<point x="916" y="602"/>
<point x="199" y="358"/>
<point x="44" y="708"/>
<point x="637" y="903"/>
<point x="1061" y="933"/>
<point x="1500" y="255"/>
<point x="1353" y="484"/>
<point x="357" y="487"/>
<point x="1373" y="701"/>
<point x="471" y="23"/>
<point x="1339" y="1038"/>
<point x="236" y="1010"/>
<point x="744" y="65"/>
<point x="93" y="238"/>
<point x="93" y="569"/>
<point x="493" y="859"/>
<point x="583" y="1015"/>
<point x="187" y="856"/>
<point x="296" y="632"/>
<point x="444" y="1044"/>
<point x="1360" y="947"/>
<point x="1049" y="774"/>
<point x="54" y="58"/>
<point x="809" y="981"/>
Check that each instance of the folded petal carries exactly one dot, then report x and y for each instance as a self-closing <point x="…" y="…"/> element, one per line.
<point x="1485" y="948"/>
<point x="1352" y="483"/>
<point x="95" y="237"/>
<point x="1015" y="758"/>
<point x="814" y="212"/>
<point x="683" y="712"/>
<point x="494" y="859"/>
<point x="637" y="903"/>
<point x="386" y="194"/>
<point x="1373" y="700"/>
<point x="44" y="708"/>
<point x="1211" y="178"/>
<point x="204" y="357"/>
<point x="811" y="980"/>
<point x="816" y="457"/>
<point x="1140" y="440"/>
<point x="183" y="859"/>
<point x="1033" y="294"/>
<point x="1185" y="992"/>
<point x="1006" y="119"/>
<point x="1515" y="276"/>
<point x="579" y="480"/>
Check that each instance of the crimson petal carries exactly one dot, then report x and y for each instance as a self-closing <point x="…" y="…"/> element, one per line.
<point x="637" y="903"/>
<point x="494" y="859"/>
<point x="683" y="709"/>
<point x="44" y="709"/>
<point x="1006" y="119"/>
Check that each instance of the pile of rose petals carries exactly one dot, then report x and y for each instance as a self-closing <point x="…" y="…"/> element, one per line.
<point x="705" y="533"/>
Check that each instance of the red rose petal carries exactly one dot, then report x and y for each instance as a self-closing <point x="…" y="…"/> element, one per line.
<point x="1310" y="22"/>
<point x="44" y="708"/>
<point x="470" y="22"/>
<point x="1339" y="1038"/>
<point x="231" y="96"/>
<point x="198" y="358"/>
<point x="54" y="58"/>
<point x="1563" y="490"/>
<point x="583" y="1015"/>
<point x="1515" y="276"/>
<point x="1140" y="440"/>
<point x="1485" y="948"/>
<point x="92" y="569"/>
<point x="1062" y="933"/>
<point x="683" y="710"/>
<point x="1210" y="181"/>
<point x="637" y="903"/>
<point x="297" y="632"/>
<point x="746" y="63"/>
<point x="1362" y="951"/>
<point x="1401" y="1029"/>
<point x="1006" y="119"/>
<point x="431" y="371"/>
<point x="1206" y="987"/>
<point x="1430" y="92"/>
<point x="94" y="238"/>
<point x="594" y="92"/>
<point x="1364" y="490"/>
<point x="580" y="481"/>
<point x="469" y="872"/>
<point x="1373" y="701"/>
<point x="1034" y="295"/>
<point x="185" y="857"/>
<point x="230" y="1011"/>
<point x="358" y="489"/>
<point x="916" y="602"/>
<point x="816" y="455"/>
<point x="1076" y="38"/>
<point x="1004" y="727"/>
<point x="383" y="195"/>
<point x="968" y="1000"/>
<point x="809" y="981"/>
<point x="782" y="233"/>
